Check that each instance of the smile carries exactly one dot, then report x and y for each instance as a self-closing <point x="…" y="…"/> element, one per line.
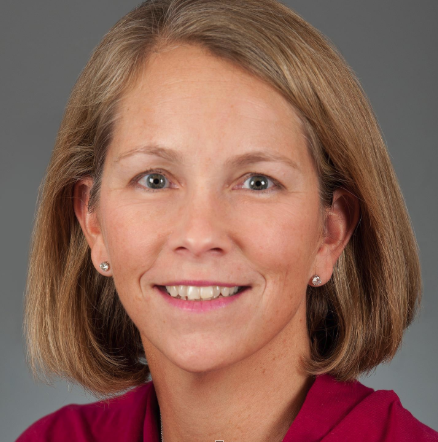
<point x="196" y="293"/>
<point x="199" y="305"/>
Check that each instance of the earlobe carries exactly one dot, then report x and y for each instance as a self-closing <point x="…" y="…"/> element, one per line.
<point x="90" y="224"/>
<point x="340" y="222"/>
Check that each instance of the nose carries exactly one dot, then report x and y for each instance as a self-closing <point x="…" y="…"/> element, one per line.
<point x="201" y="225"/>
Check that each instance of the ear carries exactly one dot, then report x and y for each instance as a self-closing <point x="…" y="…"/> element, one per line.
<point x="90" y="224"/>
<point x="341" y="220"/>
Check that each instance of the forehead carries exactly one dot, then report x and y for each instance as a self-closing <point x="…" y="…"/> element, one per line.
<point x="184" y="90"/>
<point x="189" y="69"/>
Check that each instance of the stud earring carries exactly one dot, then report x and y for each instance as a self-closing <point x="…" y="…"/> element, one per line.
<point x="105" y="266"/>
<point x="316" y="280"/>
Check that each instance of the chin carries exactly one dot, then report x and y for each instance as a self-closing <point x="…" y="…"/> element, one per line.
<point x="199" y="360"/>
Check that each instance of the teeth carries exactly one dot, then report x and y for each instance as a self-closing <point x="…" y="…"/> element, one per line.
<point x="225" y="291"/>
<point x="193" y="293"/>
<point x="206" y="292"/>
<point x="200" y="293"/>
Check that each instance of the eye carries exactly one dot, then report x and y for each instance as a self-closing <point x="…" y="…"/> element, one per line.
<point x="155" y="180"/>
<point x="151" y="180"/>
<point x="259" y="183"/>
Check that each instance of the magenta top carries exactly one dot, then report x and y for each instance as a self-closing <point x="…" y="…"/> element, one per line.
<point x="332" y="412"/>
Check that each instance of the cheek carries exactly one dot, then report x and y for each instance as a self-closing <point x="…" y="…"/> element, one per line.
<point x="133" y="237"/>
<point x="277" y="239"/>
<point x="283" y="238"/>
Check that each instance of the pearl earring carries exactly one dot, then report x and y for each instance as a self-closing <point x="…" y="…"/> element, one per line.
<point x="105" y="266"/>
<point x="316" y="280"/>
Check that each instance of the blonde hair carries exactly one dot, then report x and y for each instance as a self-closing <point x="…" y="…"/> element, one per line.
<point x="76" y="326"/>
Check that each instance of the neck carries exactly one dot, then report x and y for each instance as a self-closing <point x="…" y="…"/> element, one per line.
<point x="255" y="399"/>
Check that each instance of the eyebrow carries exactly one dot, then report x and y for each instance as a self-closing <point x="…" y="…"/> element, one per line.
<point x="241" y="160"/>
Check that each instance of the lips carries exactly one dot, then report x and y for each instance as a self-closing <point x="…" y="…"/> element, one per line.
<point x="194" y="293"/>
<point x="204" y="283"/>
<point x="200" y="306"/>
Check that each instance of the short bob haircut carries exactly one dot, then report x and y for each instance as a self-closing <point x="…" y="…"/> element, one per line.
<point x="75" y="324"/>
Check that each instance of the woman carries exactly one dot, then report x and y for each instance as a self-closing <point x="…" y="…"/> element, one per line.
<point x="220" y="215"/>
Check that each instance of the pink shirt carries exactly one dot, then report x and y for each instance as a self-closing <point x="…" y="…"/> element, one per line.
<point x="332" y="412"/>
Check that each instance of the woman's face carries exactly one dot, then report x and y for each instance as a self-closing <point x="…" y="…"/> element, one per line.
<point x="207" y="219"/>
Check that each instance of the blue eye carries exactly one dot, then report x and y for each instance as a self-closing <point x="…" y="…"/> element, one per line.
<point x="261" y="182"/>
<point x="155" y="180"/>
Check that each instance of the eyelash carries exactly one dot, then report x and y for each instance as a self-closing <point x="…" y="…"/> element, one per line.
<point x="135" y="180"/>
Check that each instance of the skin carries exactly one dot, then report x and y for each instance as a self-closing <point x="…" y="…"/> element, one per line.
<point x="232" y="373"/>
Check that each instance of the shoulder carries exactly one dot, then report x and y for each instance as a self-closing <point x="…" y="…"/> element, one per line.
<point x="120" y="418"/>
<point x="376" y="416"/>
<point x="384" y="414"/>
<point x="336" y="411"/>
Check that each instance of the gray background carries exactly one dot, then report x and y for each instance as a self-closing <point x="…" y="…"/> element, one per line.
<point x="391" y="46"/>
